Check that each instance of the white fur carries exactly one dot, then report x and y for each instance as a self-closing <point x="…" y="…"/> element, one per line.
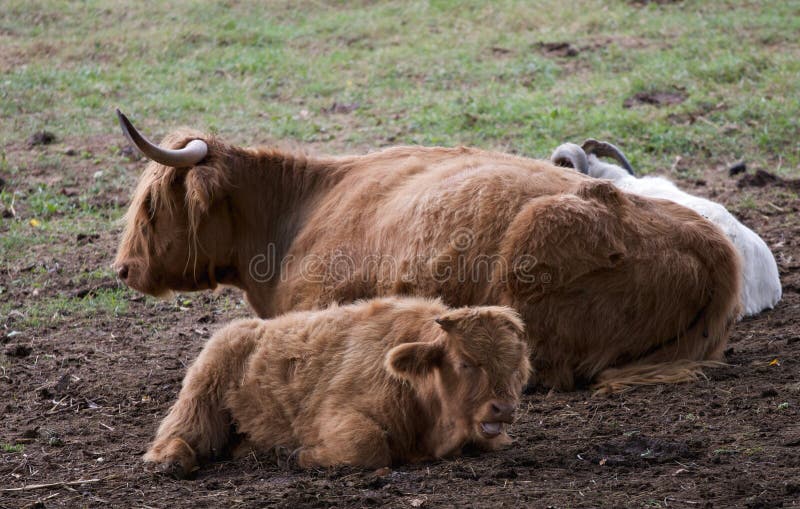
<point x="762" y="286"/>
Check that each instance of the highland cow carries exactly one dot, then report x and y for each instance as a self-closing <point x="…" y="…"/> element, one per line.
<point x="370" y="384"/>
<point x="761" y="284"/>
<point x="614" y="288"/>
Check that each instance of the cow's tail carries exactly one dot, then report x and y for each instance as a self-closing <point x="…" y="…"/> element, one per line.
<point x="702" y="345"/>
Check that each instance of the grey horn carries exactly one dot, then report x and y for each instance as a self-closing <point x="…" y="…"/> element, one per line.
<point x="606" y="149"/>
<point x="191" y="154"/>
<point x="570" y="155"/>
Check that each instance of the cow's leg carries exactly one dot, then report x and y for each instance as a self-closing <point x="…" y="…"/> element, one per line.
<point x="198" y="424"/>
<point x="348" y="439"/>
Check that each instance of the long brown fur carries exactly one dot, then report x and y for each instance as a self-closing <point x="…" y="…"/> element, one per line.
<point x="604" y="281"/>
<point x="370" y="384"/>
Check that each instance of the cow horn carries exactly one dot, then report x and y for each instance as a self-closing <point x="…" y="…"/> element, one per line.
<point x="191" y="154"/>
<point x="571" y="156"/>
<point x="606" y="149"/>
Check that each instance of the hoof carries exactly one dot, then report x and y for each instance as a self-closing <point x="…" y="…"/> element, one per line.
<point x="174" y="469"/>
<point x="294" y="461"/>
<point x="174" y="458"/>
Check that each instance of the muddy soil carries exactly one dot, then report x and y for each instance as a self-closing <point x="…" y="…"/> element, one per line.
<point x="79" y="401"/>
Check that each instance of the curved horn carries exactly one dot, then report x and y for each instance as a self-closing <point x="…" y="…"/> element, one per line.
<point x="606" y="149"/>
<point x="570" y="155"/>
<point x="191" y="154"/>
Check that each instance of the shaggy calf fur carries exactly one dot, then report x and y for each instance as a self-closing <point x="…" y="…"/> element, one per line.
<point x="606" y="282"/>
<point x="369" y="384"/>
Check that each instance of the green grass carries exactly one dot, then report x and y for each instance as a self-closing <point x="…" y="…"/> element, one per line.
<point x="12" y="447"/>
<point x="50" y="311"/>
<point x="422" y="72"/>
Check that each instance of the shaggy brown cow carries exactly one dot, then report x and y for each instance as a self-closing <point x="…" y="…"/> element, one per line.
<point x="369" y="384"/>
<point x="613" y="288"/>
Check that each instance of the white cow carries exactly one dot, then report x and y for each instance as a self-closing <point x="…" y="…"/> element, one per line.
<point x="762" y="287"/>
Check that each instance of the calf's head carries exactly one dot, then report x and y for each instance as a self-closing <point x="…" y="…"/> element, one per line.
<point x="470" y="378"/>
<point x="178" y="228"/>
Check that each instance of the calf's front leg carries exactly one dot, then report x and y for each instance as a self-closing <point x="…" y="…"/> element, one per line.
<point x="198" y="425"/>
<point x="348" y="439"/>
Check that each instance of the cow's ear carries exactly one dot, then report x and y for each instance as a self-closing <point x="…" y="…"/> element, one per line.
<point x="205" y="185"/>
<point x="414" y="360"/>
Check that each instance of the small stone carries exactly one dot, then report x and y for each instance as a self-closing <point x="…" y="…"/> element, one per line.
<point x="69" y="151"/>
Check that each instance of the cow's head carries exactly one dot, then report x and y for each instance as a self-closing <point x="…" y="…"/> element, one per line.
<point x="178" y="228"/>
<point x="586" y="159"/>
<point x="470" y="378"/>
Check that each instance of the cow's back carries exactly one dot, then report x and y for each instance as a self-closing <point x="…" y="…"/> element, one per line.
<point x="412" y="224"/>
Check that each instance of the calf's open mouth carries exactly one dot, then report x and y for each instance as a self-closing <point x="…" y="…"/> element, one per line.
<point x="491" y="429"/>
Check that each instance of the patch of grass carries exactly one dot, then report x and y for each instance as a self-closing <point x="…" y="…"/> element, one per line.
<point x="54" y="310"/>
<point x="23" y="243"/>
<point x="747" y="201"/>
<point x="249" y="70"/>
<point x="751" y="451"/>
<point x="12" y="447"/>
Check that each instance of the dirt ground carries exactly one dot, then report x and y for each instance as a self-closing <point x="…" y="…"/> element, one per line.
<point x="83" y="396"/>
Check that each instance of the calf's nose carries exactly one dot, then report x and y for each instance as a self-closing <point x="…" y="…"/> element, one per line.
<point x="502" y="411"/>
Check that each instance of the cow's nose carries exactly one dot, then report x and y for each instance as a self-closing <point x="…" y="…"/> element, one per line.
<point x="502" y="411"/>
<point x="122" y="271"/>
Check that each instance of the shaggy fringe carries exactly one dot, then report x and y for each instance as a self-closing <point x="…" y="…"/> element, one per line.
<point x="618" y="380"/>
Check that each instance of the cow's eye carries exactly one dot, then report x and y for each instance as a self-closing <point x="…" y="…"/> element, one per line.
<point x="467" y="365"/>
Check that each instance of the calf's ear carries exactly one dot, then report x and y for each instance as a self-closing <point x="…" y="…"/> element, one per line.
<point x="446" y="323"/>
<point x="413" y="360"/>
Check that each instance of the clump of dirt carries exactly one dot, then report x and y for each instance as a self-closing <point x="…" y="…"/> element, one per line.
<point x="643" y="3"/>
<point x="636" y="450"/>
<point x="501" y="51"/>
<point x="18" y="350"/>
<point x="735" y="169"/>
<point x="341" y="108"/>
<point x="763" y="178"/>
<point x="558" y="49"/>
<point x="658" y="98"/>
<point x="41" y="138"/>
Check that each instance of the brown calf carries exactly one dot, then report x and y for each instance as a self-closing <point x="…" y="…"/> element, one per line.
<point x="369" y="384"/>
<point x="613" y="288"/>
